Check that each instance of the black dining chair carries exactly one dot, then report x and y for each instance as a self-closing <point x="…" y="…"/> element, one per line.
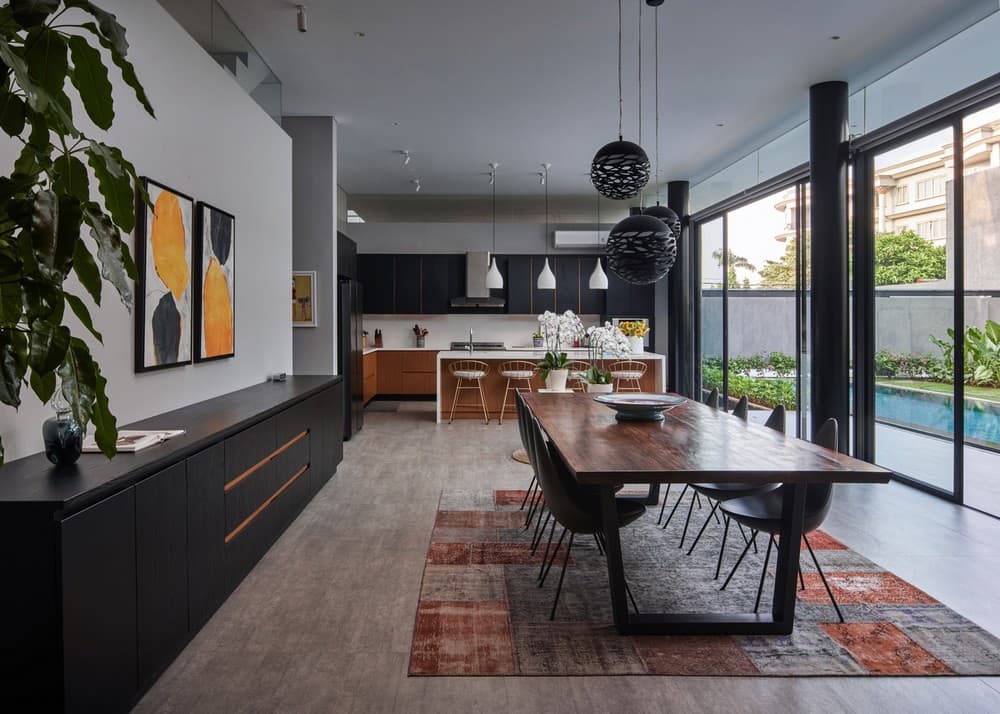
<point x="574" y="507"/>
<point x="762" y="513"/>
<point x="720" y="492"/>
<point x="522" y="427"/>
<point x="711" y="400"/>
<point x="742" y="408"/>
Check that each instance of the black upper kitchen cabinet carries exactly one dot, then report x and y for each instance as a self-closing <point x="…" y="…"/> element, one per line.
<point x="519" y="284"/>
<point x="407" y="282"/>
<point x="99" y="605"/>
<point x="442" y="278"/>
<point x="567" y="270"/>
<point x="376" y="274"/>
<point x="592" y="302"/>
<point x="161" y="569"/>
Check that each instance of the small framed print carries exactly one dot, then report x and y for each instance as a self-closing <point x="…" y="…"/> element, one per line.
<point x="304" y="298"/>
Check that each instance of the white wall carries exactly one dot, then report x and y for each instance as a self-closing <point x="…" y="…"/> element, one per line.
<point x="512" y="330"/>
<point x="211" y="141"/>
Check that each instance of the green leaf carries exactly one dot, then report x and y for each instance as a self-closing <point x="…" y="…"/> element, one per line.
<point x="11" y="360"/>
<point x="115" y="185"/>
<point x="116" y="262"/>
<point x="48" y="345"/>
<point x="106" y="426"/>
<point x="78" y="373"/>
<point x="71" y="178"/>
<point x="12" y="114"/>
<point x="83" y="315"/>
<point x="44" y="385"/>
<point x="44" y="220"/>
<point x="39" y="99"/>
<point x="126" y="68"/>
<point x="45" y="52"/>
<point x="67" y="233"/>
<point x="90" y="77"/>
<point x="10" y="302"/>
<point x="30" y="13"/>
<point x="86" y="271"/>
<point x="43" y="298"/>
<point x="108" y="24"/>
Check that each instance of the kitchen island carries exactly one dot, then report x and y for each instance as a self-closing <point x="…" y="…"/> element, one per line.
<point x="494" y="384"/>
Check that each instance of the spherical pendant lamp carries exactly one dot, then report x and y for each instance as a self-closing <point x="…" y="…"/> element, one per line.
<point x="641" y="249"/>
<point x="620" y="170"/>
<point x="668" y="216"/>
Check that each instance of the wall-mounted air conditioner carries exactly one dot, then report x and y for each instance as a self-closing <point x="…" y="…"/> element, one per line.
<point x="579" y="239"/>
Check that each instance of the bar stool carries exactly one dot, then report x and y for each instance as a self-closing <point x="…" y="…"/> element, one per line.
<point x="627" y="374"/>
<point x="469" y="370"/>
<point x="578" y="375"/>
<point x="516" y="371"/>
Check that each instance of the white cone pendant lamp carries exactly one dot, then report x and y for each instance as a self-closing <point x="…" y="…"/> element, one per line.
<point x="494" y="280"/>
<point x="546" y="279"/>
<point x="598" y="278"/>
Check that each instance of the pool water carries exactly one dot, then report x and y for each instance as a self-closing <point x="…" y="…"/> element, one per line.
<point x="935" y="413"/>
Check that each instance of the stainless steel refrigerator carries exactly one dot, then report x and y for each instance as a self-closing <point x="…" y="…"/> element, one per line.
<point x="349" y="354"/>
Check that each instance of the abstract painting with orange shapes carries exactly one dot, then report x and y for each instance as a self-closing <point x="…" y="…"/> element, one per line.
<point x="215" y="287"/>
<point x="163" y="292"/>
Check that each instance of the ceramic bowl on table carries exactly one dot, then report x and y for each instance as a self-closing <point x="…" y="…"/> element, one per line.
<point x="639" y="406"/>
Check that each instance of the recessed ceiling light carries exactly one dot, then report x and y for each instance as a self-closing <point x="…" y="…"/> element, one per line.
<point x="395" y="123"/>
<point x="720" y="124"/>
<point x="359" y="34"/>
<point x="834" y="37"/>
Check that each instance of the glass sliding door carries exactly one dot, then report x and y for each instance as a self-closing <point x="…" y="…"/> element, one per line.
<point x="711" y="238"/>
<point x="915" y="309"/>
<point x="981" y="341"/>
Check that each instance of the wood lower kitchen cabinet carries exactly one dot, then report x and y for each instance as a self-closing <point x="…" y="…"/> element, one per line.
<point x="406" y="372"/>
<point x="369" y="365"/>
<point x="113" y="566"/>
<point x="390" y="372"/>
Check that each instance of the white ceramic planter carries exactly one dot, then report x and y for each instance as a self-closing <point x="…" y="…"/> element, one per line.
<point x="556" y="380"/>
<point x="600" y="388"/>
<point x="636" y="344"/>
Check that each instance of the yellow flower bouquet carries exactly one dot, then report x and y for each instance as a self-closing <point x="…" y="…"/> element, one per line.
<point x="634" y="328"/>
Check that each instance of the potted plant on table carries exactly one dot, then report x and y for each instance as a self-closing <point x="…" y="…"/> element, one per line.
<point x="557" y="330"/>
<point x="635" y="330"/>
<point x="538" y="339"/>
<point x="601" y="342"/>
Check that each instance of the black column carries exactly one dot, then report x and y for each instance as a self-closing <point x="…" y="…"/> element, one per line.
<point x="830" y="326"/>
<point x="680" y="299"/>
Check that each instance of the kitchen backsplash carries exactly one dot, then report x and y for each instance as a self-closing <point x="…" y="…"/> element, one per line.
<point x="512" y="330"/>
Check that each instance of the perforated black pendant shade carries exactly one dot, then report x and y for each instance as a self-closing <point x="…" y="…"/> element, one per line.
<point x="641" y="249"/>
<point x="668" y="216"/>
<point x="620" y="170"/>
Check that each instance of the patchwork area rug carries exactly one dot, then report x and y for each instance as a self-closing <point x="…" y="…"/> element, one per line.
<point x="482" y="613"/>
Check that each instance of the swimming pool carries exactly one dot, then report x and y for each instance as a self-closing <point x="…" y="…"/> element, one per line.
<point x="935" y="413"/>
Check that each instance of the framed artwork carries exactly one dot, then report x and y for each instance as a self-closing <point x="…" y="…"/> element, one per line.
<point x="215" y="284"/>
<point x="163" y="244"/>
<point x="304" y="298"/>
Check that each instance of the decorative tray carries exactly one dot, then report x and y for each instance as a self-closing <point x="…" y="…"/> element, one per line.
<point x="639" y="406"/>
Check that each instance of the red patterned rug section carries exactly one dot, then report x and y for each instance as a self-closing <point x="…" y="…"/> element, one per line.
<point x="486" y="554"/>
<point x="509" y="498"/>
<point x="684" y="655"/>
<point x="884" y="649"/>
<point x="452" y="638"/>
<point x="864" y="588"/>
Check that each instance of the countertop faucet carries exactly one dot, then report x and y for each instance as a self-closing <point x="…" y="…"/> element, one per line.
<point x="470" y="340"/>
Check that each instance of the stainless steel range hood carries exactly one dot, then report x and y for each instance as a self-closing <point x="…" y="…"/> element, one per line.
<point x="476" y="292"/>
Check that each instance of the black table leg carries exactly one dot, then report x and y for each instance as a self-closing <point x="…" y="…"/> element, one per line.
<point x="786" y="575"/>
<point x="650" y="499"/>
<point x="613" y="554"/>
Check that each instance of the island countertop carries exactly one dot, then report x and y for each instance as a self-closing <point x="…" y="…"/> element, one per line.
<point x="537" y="354"/>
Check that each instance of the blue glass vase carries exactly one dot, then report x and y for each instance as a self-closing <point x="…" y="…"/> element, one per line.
<point x="63" y="438"/>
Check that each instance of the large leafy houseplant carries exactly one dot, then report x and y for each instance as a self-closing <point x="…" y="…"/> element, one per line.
<point x="47" y="202"/>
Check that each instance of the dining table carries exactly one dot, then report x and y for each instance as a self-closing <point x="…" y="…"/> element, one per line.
<point x="693" y="443"/>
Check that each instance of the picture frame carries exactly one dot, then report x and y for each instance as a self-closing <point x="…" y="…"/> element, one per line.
<point x="214" y="320"/>
<point x="304" y="307"/>
<point x="163" y="257"/>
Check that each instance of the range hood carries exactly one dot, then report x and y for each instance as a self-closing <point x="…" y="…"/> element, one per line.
<point x="476" y="292"/>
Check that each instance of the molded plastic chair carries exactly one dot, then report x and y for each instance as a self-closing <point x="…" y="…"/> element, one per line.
<point x="762" y="512"/>
<point x="574" y="507"/>
<point x="711" y="400"/>
<point x="742" y="408"/>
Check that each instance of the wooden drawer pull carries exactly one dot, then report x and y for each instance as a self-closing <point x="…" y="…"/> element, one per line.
<point x="263" y="462"/>
<point x="249" y="519"/>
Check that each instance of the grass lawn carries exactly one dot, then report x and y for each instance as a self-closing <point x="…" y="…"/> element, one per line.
<point x="989" y="393"/>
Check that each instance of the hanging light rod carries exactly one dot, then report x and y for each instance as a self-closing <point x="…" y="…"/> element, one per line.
<point x="405" y="154"/>
<point x="493" y="173"/>
<point x="301" y="19"/>
<point x="416" y="184"/>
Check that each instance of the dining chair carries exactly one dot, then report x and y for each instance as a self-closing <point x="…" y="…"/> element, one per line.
<point x="762" y="513"/>
<point x="578" y="375"/>
<point x="574" y="507"/>
<point x="627" y="375"/>
<point x="720" y="492"/>
<point x="515" y="371"/>
<point x="711" y="400"/>
<point x="469" y="371"/>
<point x="522" y="429"/>
<point x="742" y="408"/>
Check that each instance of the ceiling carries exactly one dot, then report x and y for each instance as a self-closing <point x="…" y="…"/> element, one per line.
<point x="461" y="83"/>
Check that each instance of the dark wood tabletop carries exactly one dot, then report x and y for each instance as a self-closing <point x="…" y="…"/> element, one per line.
<point x="693" y="443"/>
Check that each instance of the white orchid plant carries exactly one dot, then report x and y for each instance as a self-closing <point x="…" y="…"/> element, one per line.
<point x="559" y="331"/>
<point x="604" y="341"/>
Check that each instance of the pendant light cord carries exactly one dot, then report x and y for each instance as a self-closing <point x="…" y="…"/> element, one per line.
<point x="619" y="70"/>
<point x="546" y="211"/>
<point x="639" y="43"/>
<point x="656" y="81"/>
<point x="494" y="215"/>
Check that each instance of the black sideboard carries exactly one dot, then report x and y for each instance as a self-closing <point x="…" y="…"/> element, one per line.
<point x="111" y="567"/>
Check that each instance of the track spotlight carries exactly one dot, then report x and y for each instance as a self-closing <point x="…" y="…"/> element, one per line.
<point x="303" y="22"/>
